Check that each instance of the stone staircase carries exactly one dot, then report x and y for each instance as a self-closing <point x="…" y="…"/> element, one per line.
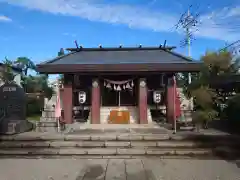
<point x="117" y="143"/>
<point x="105" y="112"/>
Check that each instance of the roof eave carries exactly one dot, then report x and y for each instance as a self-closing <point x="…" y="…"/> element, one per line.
<point x="168" y="67"/>
<point x="169" y="48"/>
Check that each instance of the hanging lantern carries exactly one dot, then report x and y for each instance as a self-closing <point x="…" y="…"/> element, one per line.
<point x="104" y="84"/>
<point x="124" y="87"/>
<point x="114" y="87"/>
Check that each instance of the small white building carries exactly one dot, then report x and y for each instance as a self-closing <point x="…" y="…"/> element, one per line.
<point x="16" y="71"/>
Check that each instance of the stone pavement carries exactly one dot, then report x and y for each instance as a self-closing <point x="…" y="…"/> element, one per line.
<point x="118" y="169"/>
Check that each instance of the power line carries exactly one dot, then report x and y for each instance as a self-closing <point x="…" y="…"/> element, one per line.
<point x="220" y="19"/>
<point x="176" y="26"/>
<point x="233" y="48"/>
<point x="230" y="45"/>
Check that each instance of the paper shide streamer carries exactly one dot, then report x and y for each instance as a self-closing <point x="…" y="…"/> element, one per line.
<point x="119" y="85"/>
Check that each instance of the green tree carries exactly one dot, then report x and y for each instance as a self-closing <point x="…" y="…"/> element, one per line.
<point x="38" y="84"/>
<point x="61" y="52"/>
<point x="25" y="64"/>
<point x="33" y="84"/>
<point x="207" y="96"/>
<point x="7" y="74"/>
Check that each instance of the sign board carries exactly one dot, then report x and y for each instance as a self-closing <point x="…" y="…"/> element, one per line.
<point x="82" y="97"/>
<point x="13" y="101"/>
<point x="157" y="97"/>
<point x="13" y="109"/>
<point x="10" y="89"/>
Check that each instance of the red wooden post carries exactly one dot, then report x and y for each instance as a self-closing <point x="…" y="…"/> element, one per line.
<point x="142" y="103"/>
<point x="95" y="110"/>
<point x="170" y="101"/>
<point x="67" y="102"/>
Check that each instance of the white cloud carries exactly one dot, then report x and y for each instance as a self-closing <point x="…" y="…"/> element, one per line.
<point x="235" y="11"/>
<point x="135" y="16"/>
<point x="221" y="24"/>
<point x="5" y="19"/>
<point x="69" y="34"/>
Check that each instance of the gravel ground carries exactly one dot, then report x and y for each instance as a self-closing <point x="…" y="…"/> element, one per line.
<point x="118" y="169"/>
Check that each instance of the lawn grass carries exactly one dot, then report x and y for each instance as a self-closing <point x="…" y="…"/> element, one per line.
<point x="35" y="117"/>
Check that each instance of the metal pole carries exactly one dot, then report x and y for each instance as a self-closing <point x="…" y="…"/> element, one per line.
<point x="189" y="55"/>
<point x="58" y="124"/>
<point x="119" y="99"/>
<point x="174" y="100"/>
<point x="188" y="36"/>
<point x="189" y="47"/>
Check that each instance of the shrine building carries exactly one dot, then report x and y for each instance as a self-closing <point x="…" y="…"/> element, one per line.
<point x="117" y="85"/>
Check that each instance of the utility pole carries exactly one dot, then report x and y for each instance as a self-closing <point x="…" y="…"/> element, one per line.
<point x="188" y="23"/>
<point x="189" y="47"/>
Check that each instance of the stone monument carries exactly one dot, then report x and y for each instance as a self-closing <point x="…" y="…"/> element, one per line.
<point x="13" y="109"/>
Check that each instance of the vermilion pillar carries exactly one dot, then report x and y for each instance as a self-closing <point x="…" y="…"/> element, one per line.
<point x="61" y="93"/>
<point x="170" y="100"/>
<point x="67" y="102"/>
<point x="95" y="110"/>
<point x="142" y="103"/>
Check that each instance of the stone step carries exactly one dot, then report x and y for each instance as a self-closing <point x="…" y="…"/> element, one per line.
<point x="46" y="126"/>
<point x="104" y="151"/>
<point x="101" y="143"/>
<point x="87" y="136"/>
<point x="48" y="113"/>
<point x="47" y="119"/>
<point x="120" y="153"/>
<point x="50" y="123"/>
<point x="119" y="135"/>
<point x="111" y="144"/>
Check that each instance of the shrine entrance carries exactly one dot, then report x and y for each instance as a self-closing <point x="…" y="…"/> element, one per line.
<point x="110" y="72"/>
<point x="119" y="93"/>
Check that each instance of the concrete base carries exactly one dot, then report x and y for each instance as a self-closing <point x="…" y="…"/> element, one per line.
<point x="15" y="127"/>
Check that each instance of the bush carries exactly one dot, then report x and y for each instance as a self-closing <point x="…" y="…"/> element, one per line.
<point x="203" y="117"/>
<point x="204" y="106"/>
<point x="232" y="112"/>
<point x="34" y="106"/>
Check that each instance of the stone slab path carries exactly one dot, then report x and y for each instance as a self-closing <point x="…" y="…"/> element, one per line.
<point x="118" y="169"/>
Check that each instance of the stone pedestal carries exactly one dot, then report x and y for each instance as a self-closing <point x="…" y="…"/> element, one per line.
<point x="15" y="126"/>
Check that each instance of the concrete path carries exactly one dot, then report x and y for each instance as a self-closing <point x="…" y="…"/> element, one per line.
<point x="117" y="169"/>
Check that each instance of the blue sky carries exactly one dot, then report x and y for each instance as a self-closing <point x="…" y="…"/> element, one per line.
<point x="39" y="28"/>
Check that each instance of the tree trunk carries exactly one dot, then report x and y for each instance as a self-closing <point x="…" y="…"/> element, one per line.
<point x="25" y="71"/>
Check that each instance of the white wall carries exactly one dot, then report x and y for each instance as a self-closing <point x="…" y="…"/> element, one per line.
<point x="17" y="79"/>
